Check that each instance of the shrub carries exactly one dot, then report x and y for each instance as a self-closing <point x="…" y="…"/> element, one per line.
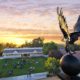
<point x="52" y="65"/>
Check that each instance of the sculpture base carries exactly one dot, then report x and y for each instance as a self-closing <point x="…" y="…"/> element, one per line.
<point x="70" y="65"/>
<point x="66" y="77"/>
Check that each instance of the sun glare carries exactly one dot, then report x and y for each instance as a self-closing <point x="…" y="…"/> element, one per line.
<point x="14" y="40"/>
<point x="18" y="41"/>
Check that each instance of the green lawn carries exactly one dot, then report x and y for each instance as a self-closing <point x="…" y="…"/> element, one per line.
<point x="21" y="67"/>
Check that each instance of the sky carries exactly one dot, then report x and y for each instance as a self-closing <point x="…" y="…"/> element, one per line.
<point x="24" y="20"/>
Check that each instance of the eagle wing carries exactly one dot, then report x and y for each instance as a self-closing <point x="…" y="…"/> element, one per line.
<point x="74" y="36"/>
<point x="77" y="25"/>
<point x="63" y="24"/>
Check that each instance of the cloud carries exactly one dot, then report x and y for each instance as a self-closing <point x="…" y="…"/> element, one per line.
<point x="23" y="6"/>
<point x="35" y="14"/>
<point x="35" y="17"/>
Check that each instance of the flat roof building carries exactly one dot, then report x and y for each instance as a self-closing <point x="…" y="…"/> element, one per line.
<point x="19" y="52"/>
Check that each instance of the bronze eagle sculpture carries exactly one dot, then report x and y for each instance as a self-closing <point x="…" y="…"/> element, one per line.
<point x="69" y="37"/>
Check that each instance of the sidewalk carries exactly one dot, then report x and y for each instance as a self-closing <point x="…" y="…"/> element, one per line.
<point x="51" y="78"/>
<point x="27" y="77"/>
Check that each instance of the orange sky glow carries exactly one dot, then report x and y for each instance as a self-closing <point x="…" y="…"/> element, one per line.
<point x="24" y="20"/>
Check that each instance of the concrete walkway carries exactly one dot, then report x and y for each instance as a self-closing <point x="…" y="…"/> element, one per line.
<point x="35" y="76"/>
<point x="51" y="78"/>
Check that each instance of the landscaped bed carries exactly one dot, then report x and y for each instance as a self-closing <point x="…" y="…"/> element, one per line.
<point x="15" y="67"/>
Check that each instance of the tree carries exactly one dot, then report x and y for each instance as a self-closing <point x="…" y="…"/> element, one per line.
<point x="10" y="45"/>
<point x="47" y="47"/>
<point x="55" y="53"/>
<point x="52" y="65"/>
<point x="26" y="44"/>
<point x="74" y="47"/>
<point x="52" y="50"/>
<point x="38" y="42"/>
<point x="1" y="49"/>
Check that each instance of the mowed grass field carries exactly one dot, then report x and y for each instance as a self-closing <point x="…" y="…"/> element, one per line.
<point x="15" y="67"/>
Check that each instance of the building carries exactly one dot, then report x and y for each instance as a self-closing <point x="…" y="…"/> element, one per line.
<point x="22" y="52"/>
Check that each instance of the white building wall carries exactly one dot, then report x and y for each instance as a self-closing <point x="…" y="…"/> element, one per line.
<point x="10" y="55"/>
<point x="15" y="54"/>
